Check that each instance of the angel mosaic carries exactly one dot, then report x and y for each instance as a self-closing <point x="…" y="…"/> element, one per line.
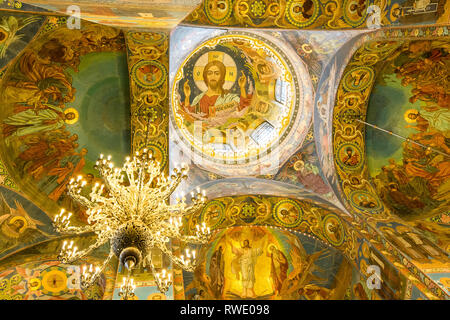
<point x="16" y="226"/>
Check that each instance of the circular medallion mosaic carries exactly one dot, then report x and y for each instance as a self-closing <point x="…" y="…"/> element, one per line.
<point x="349" y="156"/>
<point x="358" y="79"/>
<point x="149" y="74"/>
<point x="302" y="13"/>
<point x="288" y="213"/>
<point x="234" y="100"/>
<point x="54" y="281"/>
<point x="213" y="214"/>
<point x="355" y="11"/>
<point x="218" y="11"/>
<point x="365" y="201"/>
<point x="333" y="229"/>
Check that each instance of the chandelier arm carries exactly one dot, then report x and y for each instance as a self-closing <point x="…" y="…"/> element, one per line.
<point x="78" y="230"/>
<point x="108" y="210"/>
<point x="195" y="207"/>
<point x="172" y="230"/>
<point x="127" y="289"/>
<point x="61" y="223"/>
<point x="180" y="206"/>
<point x="171" y="211"/>
<point x="193" y="239"/>
<point x="104" y="226"/>
<point x="171" y="186"/>
<point x="187" y="265"/>
<point x="120" y="193"/>
<point x="158" y="218"/>
<point x="167" y="211"/>
<point x="155" y="191"/>
<point x="93" y="205"/>
<point x="82" y="200"/>
<point x="88" y="277"/>
<point x="70" y="253"/>
<point x="162" y="283"/>
<point x="115" y="192"/>
<point x="169" y="229"/>
<point x="165" y="195"/>
<point x="151" y="203"/>
<point x="130" y="176"/>
<point x="146" y="159"/>
<point x="123" y="198"/>
<point x="163" y="189"/>
<point x="158" y="213"/>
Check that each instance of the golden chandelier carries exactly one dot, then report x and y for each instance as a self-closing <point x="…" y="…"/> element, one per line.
<point x="131" y="211"/>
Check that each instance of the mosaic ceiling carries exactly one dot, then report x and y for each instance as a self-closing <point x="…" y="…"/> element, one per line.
<point x="280" y="126"/>
<point x="148" y="14"/>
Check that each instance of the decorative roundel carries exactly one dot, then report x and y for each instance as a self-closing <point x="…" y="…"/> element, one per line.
<point x="395" y="12"/>
<point x="149" y="74"/>
<point x="333" y="229"/>
<point x="75" y="113"/>
<point x="358" y="79"/>
<point x="218" y="11"/>
<point x="234" y="102"/>
<point x="54" y="281"/>
<point x="355" y="11"/>
<point x="213" y="214"/>
<point x="302" y="13"/>
<point x="247" y="212"/>
<point x="257" y="9"/>
<point x="287" y="213"/>
<point x="153" y="38"/>
<point x="349" y="156"/>
<point x="34" y="284"/>
<point x="365" y="201"/>
<point x="348" y="114"/>
<point x="16" y="279"/>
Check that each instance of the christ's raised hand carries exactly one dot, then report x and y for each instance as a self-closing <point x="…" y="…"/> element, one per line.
<point x="242" y="81"/>
<point x="187" y="93"/>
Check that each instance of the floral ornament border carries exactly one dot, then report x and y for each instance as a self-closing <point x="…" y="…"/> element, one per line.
<point x="289" y="14"/>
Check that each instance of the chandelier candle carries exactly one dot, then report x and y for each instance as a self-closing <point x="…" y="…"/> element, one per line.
<point x="131" y="211"/>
